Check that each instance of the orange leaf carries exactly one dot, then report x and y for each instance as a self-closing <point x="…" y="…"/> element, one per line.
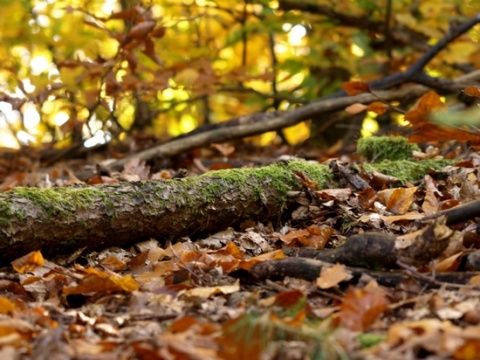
<point x="472" y="91"/>
<point x="418" y="114"/>
<point x="6" y="305"/>
<point x="449" y="264"/>
<point x="355" y="87"/>
<point x="99" y="281"/>
<point x="434" y="133"/>
<point x="425" y="131"/>
<point x="398" y="200"/>
<point x="360" y="308"/>
<point x="233" y="250"/>
<point x="294" y="235"/>
<point x="182" y="324"/>
<point x="288" y="299"/>
<point x="469" y="349"/>
<point x="474" y="280"/>
<point x="273" y="255"/>
<point x="378" y="107"/>
<point x="28" y="262"/>
<point x="330" y="277"/>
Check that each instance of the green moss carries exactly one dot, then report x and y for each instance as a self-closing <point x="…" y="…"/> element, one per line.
<point x="186" y="192"/>
<point x="278" y="175"/>
<point x="406" y="170"/>
<point x="6" y="209"/>
<point x="368" y="340"/>
<point x="379" y="148"/>
<point x="63" y="201"/>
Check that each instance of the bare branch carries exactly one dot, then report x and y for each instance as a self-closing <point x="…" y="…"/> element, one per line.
<point x="256" y="124"/>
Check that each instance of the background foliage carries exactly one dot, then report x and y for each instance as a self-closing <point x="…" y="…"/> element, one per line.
<point x="97" y="70"/>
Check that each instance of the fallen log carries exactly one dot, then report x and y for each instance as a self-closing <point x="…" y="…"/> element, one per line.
<point x="60" y="220"/>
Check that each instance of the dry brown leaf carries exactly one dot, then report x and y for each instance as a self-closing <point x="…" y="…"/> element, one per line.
<point x="430" y="203"/>
<point x="332" y="276"/>
<point x="140" y="30"/>
<point x="28" y="262"/>
<point x="360" y="308"/>
<point x="206" y="292"/>
<point x="355" y="108"/>
<point x="273" y="255"/>
<point x="398" y="200"/>
<point x="288" y="299"/>
<point x="449" y="264"/>
<point x="412" y="215"/>
<point x="224" y="149"/>
<point x="334" y="194"/>
<point x="472" y="91"/>
<point x="293" y="235"/>
<point x="355" y="87"/>
<point x="99" y="281"/>
<point x="378" y="107"/>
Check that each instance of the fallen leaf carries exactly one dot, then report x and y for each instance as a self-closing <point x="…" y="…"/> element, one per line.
<point x="288" y="299"/>
<point x="332" y="276"/>
<point x="28" y="262"/>
<point x="99" y="281"/>
<point x="206" y="292"/>
<point x="398" y="200"/>
<point x="360" y="308"/>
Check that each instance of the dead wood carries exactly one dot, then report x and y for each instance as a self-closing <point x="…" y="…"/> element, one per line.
<point x="309" y="269"/>
<point x="59" y="220"/>
<point x="383" y="251"/>
<point x="458" y="214"/>
<point x="256" y="124"/>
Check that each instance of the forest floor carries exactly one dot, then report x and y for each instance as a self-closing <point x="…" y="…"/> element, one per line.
<point x="201" y="297"/>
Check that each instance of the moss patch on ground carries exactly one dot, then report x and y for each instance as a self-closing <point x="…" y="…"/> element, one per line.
<point x="406" y="170"/>
<point x="380" y="148"/>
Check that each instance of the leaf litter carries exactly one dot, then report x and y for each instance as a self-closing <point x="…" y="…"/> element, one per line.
<point x="200" y="298"/>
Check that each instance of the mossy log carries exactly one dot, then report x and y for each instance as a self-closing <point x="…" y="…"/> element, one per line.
<point x="60" y="220"/>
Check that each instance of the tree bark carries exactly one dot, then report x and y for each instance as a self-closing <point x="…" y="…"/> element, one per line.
<point x="60" y="220"/>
